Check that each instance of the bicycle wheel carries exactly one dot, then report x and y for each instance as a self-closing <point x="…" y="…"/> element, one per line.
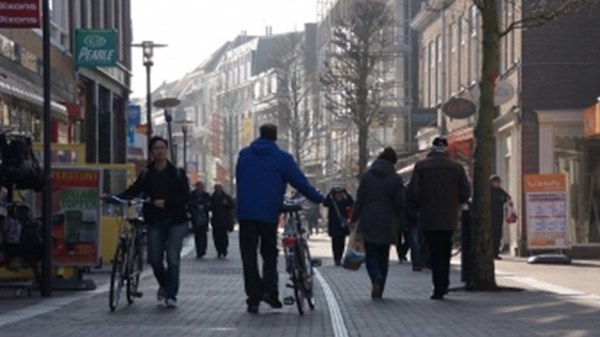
<point x="116" y="276"/>
<point x="136" y="265"/>
<point x="307" y="280"/>
<point x="298" y="278"/>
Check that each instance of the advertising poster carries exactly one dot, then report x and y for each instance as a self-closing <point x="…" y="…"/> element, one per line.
<point x="75" y="216"/>
<point x="546" y="202"/>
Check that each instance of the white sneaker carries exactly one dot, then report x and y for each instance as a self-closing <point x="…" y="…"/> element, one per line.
<point x="160" y="294"/>
<point x="171" y="303"/>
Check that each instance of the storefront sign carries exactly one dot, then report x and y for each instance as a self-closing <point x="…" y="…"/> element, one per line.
<point x="134" y="113"/>
<point x="75" y="216"/>
<point x="20" y="14"/>
<point x="459" y="108"/>
<point x="546" y="202"/>
<point x="96" y="47"/>
<point x="591" y="120"/>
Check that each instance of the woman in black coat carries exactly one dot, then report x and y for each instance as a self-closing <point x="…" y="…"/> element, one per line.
<point x="378" y="209"/>
<point x="338" y="201"/>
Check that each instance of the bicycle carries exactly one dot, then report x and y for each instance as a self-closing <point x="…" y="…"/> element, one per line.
<point x="128" y="261"/>
<point x="299" y="264"/>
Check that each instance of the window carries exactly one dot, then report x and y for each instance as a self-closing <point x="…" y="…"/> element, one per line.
<point x="439" y="69"/>
<point x="109" y="14"/>
<point x="453" y="37"/>
<point x="463" y="30"/>
<point x="85" y="14"/>
<point x="474" y="59"/>
<point x="474" y="20"/>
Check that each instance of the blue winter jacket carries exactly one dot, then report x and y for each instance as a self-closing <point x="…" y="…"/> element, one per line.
<point x="262" y="173"/>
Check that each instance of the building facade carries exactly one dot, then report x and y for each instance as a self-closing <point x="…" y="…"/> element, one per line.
<point x="542" y="90"/>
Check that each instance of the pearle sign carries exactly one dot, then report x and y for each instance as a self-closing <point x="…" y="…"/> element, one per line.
<point x="96" y="48"/>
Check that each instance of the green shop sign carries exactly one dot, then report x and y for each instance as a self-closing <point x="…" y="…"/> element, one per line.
<point x="96" y="47"/>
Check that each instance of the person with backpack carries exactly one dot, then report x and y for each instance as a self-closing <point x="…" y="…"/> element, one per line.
<point x="221" y="206"/>
<point x="338" y="201"/>
<point x="199" y="205"/>
<point x="168" y="190"/>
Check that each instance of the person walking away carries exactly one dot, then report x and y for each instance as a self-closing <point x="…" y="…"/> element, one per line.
<point x="378" y="210"/>
<point x="412" y="236"/>
<point x="168" y="189"/>
<point x="222" y="220"/>
<point x="263" y="171"/>
<point x="337" y="201"/>
<point x="199" y="205"/>
<point x="439" y="187"/>
<point x="498" y="202"/>
<point x="403" y="245"/>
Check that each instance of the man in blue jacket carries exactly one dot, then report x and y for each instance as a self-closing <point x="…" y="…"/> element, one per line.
<point x="262" y="173"/>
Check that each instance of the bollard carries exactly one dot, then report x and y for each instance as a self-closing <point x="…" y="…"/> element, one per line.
<point x="466" y="243"/>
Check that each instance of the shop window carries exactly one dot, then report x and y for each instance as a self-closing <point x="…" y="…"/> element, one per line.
<point x="584" y="207"/>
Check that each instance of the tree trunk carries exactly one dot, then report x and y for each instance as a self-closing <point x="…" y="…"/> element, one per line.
<point x="363" y="151"/>
<point x="483" y="273"/>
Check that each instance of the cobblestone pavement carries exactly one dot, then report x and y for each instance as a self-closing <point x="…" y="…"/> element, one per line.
<point x="212" y="303"/>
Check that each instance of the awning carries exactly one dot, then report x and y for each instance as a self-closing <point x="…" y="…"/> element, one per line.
<point x="11" y="87"/>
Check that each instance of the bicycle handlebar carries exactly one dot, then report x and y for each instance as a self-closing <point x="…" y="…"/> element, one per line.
<point x="294" y="201"/>
<point x="115" y="200"/>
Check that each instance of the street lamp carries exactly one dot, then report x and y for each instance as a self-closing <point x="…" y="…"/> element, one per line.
<point x="184" y="130"/>
<point x="148" y="53"/>
<point x="166" y="103"/>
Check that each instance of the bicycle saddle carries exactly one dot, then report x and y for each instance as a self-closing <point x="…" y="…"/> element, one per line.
<point x="289" y="207"/>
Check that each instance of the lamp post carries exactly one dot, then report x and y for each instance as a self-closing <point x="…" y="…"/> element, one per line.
<point x="148" y="53"/>
<point x="166" y="103"/>
<point x="184" y="131"/>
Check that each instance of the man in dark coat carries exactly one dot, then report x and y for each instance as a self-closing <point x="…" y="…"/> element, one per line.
<point x="499" y="200"/>
<point x="439" y="187"/>
<point x="338" y="201"/>
<point x="221" y="206"/>
<point x="199" y="205"/>
<point x="378" y="209"/>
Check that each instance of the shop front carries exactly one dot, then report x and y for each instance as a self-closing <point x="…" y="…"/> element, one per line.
<point x="21" y="110"/>
<point x="570" y="145"/>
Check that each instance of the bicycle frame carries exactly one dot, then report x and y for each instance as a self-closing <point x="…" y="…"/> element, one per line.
<point x="128" y="258"/>
<point x="299" y="264"/>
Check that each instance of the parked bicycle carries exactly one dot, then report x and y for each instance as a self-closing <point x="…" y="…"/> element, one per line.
<point x="299" y="264"/>
<point x="128" y="261"/>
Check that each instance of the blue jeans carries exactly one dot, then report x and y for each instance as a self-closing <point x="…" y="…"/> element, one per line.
<point x="165" y="237"/>
<point x="377" y="260"/>
<point x="415" y="241"/>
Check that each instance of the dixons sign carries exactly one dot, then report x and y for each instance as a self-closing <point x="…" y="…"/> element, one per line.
<point x="20" y="14"/>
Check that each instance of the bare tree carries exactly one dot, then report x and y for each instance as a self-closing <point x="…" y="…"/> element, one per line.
<point x="295" y="89"/>
<point x="228" y="103"/>
<point x="535" y="13"/>
<point x="354" y="78"/>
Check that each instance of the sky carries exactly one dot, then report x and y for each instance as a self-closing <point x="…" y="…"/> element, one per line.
<point x="194" y="29"/>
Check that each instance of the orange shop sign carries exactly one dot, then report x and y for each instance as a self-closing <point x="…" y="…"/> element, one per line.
<point x="591" y="120"/>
